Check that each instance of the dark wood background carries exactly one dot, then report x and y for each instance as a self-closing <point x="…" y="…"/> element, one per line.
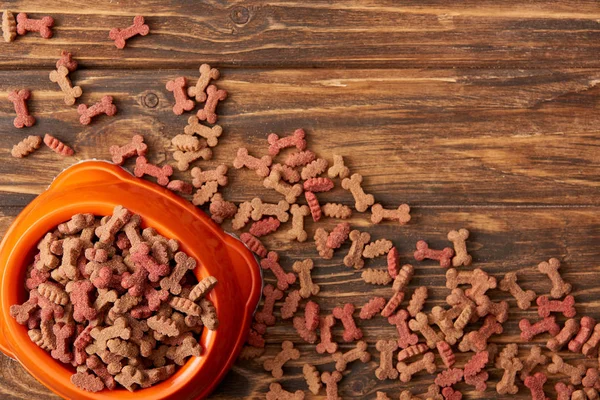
<point x="479" y="114"/>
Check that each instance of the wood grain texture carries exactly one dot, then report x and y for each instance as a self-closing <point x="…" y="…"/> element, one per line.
<point x="435" y="33"/>
<point x="479" y="114"/>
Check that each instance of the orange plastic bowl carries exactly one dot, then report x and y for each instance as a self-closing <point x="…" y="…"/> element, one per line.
<point x="97" y="187"/>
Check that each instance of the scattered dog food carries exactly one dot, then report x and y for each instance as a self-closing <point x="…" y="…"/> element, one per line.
<point x="26" y="146"/>
<point x="43" y="26"/>
<point x="104" y="106"/>
<point x="19" y="100"/>
<point x="120" y="36"/>
<point x="57" y="146"/>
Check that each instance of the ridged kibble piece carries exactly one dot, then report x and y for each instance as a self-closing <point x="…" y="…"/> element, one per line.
<point x="335" y="210"/>
<point x="312" y="378"/>
<point x="314" y="169"/>
<point x="57" y="146"/>
<point x="313" y="205"/>
<point x="449" y="377"/>
<point x="412" y="351"/>
<point x="318" y="185"/>
<point x="186" y="143"/>
<point x="377" y="248"/>
<point x="9" y="26"/>
<point x="26" y="146"/>
<point x="372" y="308"/>
<point x="338" y="235"/>
<point x="300" y="158"/>
<point x="376" y="276"/>
<point x="254" y="244"/>
<point x="276" y="392"/>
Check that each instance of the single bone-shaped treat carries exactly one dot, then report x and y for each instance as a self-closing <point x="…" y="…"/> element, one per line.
<point x="206" y="74"/>
<point x="210" y="134"/>
<point x="528" y="331"/>
<point x="307" y="287"/>
<point x="433" y="393"/>
<point x="26" y="146"/>
<point x="296" y="139"/>
<point x="276" y="392"/>
<point x="71" y="250"/>
<point x="9" y="26"/>
<point x="563" y="392"/>
<point x="440" y="317"/>
<point x="358" y="353"/>
<point x="314" y="169"/>
<point x="338" y="168"/>
<point x="575" y="373"/>
<point x="535" y="383"/>
<point x="182" y="102"/>
<point x="449" y="377"/>
<point x="427" y="362"/>
<point x="218" y="174"/>
<point x="214" y="96"/>
<point x="121" y="35"/>
<point x="283" y="279"/>
<point x="57" y="146"/>
<point x="443" y="256"/>
<point x="313" y="205"/>
<point x="413" y="351"/>
<point x="403" y="278"/>
<point x="104" y="106"/>
<point x="274" y="365"/>
<point x="585" y="330"/>
<point x="47" y="261"/>
<point x="326" y="344"/>
<point x="372" y="308"/>
<point x="79" y="293"/>
<point x="477" y="340"/>
<point x="271" y="296"/>
<point x="354" y="256"/>
<point x="143" y="167"/>
<point x="534" y="359"/>
<point x="559" y="287"/>
<point x="274" y="181"/>
<point x="402" y="214"/>
<point x="320" y="237"/>
<point x="445" y="352"/>
<point x="43" y="26"/>
<point x="547" y="306"/>
<point x="421" y="324"/>
<point x="336" y="210"/>
<point x="66" y="60"/>
<point x="188" y="143"/>
<point x="297" y="231"/>
<point x="312" y="377"/>
<point x="344" y="314"/>
<point x="386" y="350"/>
<point x="523" y="297"/>
<point x="417" y="301"/>
<point x="405" y="337"/>
<point x="261" y="166"/>
<point x="459" y="238"/>
<point x="185" y="158"/>
<point x="362" y="201"/>
<point x="510" y="365"/>
<point x="590" y="348"/>
<point x="135" y="147"/>
<point x="61" y="76"/>
<point x="485" y="306"/>
<point x="279" y="210"/>
<point x="63" y="334"/>
<point x="141" y="256"/>
<point x="568" y="331"/>
<point x="19" y="102"/>
<point x="451" y="394"/>
<point x="331" y="384"/>
<point x="183" y="264"/>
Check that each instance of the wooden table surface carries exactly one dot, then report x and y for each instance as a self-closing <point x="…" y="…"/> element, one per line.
<point x="481" y="114"/>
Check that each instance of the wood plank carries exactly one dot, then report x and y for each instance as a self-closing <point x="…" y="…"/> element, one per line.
<point x="430" y="138"/>
<point x="257" y="33"/>
<point x="502" y="241"/>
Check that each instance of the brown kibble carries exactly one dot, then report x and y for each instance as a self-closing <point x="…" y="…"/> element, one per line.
<point x="276" y="392"/>
<point x="274" y="365"/>
<point x="403" y="278"/>
<point x="427" y="363"/>
<point x="185" y="158"/>
<point x="260" y="166"/>
<point x="335" y="210"/>
<point x="249" y="353"/>
<point x="559" y="287"/>
<point x="106" y="233"/>
<point x="188" y="348"/>
<point x="218" y="175"/>
<point x="534" y="359"/>
<point x="183" y="264"/>
<point x="26" y="146"/>
<point x="443" y="256"/>
<point x="241" y="218"/>
<point x="312" y="378"/>
<point x="402" y="214"/>
<point x="412" y="351"/>
<point x="338" y="168"/>
<point x="122" y="348"/>
<point x="376" y="276"/>
<point x="358" y="353"/>
<point x="209" y="315"/>
<point x="206" y="74"/>
<point x="87" y="382"/>
<point x="61" y="76"/>
<point x="260" y="209"/>
<point x="511" y="365"/>
<point x="523" y="297"/>
<point x="377" y="248"/>
<point x="386" y="350"/>
<point x="458" y="239"/>
<point x="479" y="280"/>
<point x="185" y="306"/>
<point x="9" y="26"/>
<point x="567" y="332"/>
<point x="307" y="335"/>
<point x="449" y="377"/>
<point x="421" y="324"/>
<point x="321" y="236"/>
<point x="129" y="377"/>
<point x="275" y="182"/>
<point x="486" y="306"/>
<point x="354" y="256"/>
<point x="76" y="224"/>
<point x="300" y="158"/>
<point x="443" y="320"/>
<point x="417" y="301"/>
<point x="205" y="193"/>
<point x="477" y="340"/>
<point x="163" y="325"/>
<point x="372" y="308"/>
<point x="338" y="235"/>
<point x="290" y="304"/>
<point x="307" y="287"/>
<point x="585" y="330"/>
<point x="297" y="231"/>
<point x="331" y="384"/>
<point x="314" y="169"/>
<point x="590" y="348"/>
<point x="575" y="373"/>
<point x="288" y="174"/>
<point x="361" y="199"/>
<point x="53" y="292"/>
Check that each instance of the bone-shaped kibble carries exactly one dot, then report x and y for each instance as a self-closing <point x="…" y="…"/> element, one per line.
<point x="214" y="96"/>
<point x="121" y="35"/>
<point x="296" y="139"/>
<point x="590" y="348"/>
<point x="358" y="353"/>
<point x="403" y="277"/>
<point x="427" y="362"/>
<point x="106" y="233"/>
<point x="567" y="332"/>
<point x="440" y="317"/>
<point x="272" y="262"/>
<point x="326" y="345"/>
<point x="485" y="306"/>
<point x="183" y="264"/>
<point x="402" y="214"/>
<point x="61" y="76"/>
<point x="559" y="287"/>
<point x="386" y="350"/>
<point x="313" y="205"/>
<point x="57" y="146"/>
<point x="71" y="249"/>
<point x="547" y="306"/>
<point x="421" y="324"/>
<point x="274" y="181"/>
<point x="307" y="287"/>
<point x="510" y="365"/>
<point x="575" y="373"/>
<point x="135" y="147"/>
<point x="331" y="384"/>
<point x="417" y="301"/>
<point x="220" y="209"/>
<point x="9" y="26"/>
<point x="210" y="134"/>
<point x="218" y="175"/>
<point x="104" y="106"/>
<point x="143" y="167"/>
<point x="443" y="256"/>
<point x="185" y="158"/>
<point x="534" y="359"/>
<point x="362" y="201"/>
<point x="182" y="102"/>
<point x="523" y="297"/>
<point x="477" y="340"/>
<point x="274" y="365"/>
<point x="354" y="256"/>
<point x="449" y="377"/>
<point x="314" y="169"/>
<point x="279" y="210"/>
<point x="206" y="74"/>
<point x="592" y="378"/>
<point x="535" y="383"/>
<point x="528" y="331"/>
<point x="101" y="336"/>
<point x="276" y="392"/>
<point x="563" y="392"/>
<point x="271" y="296"/>
<point x="405" y="337"/>
<point x="43" y="26"/>
<point x="63" y="333"/>
<point x="18" y="99"/>
<point x="297" y="231"/>
<point x="458" y="239"/>
<point x="585" y="330"/>
<point x="344" y="314"/>
<point x="261" y="166"/>
<point x="338" y="168"/>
